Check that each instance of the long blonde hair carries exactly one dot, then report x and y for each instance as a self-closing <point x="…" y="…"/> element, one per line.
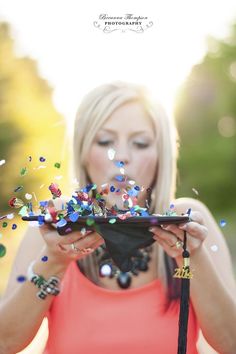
<point x="96" y="107"/>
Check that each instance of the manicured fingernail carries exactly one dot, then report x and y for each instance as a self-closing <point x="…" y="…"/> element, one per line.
<point x="151" y="229"/>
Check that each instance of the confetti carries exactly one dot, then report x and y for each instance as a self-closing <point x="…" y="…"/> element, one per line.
<point x="14" y="226"/>
<point x="28" y="196"/>
<point x="39" y="167"/>
<point x="222" y="223"/>
<point x="112" y="221"/>
<point x="74" y="217"/>
<point x="15" y="202"/>
<point x="4" y="224"/>
<point x="30" y="158"/>
<point x="44" y="259"/>
<point x="54" y="189"/>
<point x="0" y="235"/>
<point x="120" y="178"/>
<point x="195" y="191"/>
<point x="23" y="211"/>
<point x="111" y="154"/>
<point x="42" y="185"/>
<point x="83" y="231"/>
<point x="214" y="248"/>
<point x="61" y="223"/>
<point x="119" y="164"/>
<point x="42" y="159"/>
<point x="10" y="216"/>
<point x="58" y="177"/>
<point x="3" y="250"/>
<point x="2" y="162"/>
<point x="90" y="221"/>
<point x="112" y="189"/>
<point x="122" y="170"/>
<point x="172" y="206"/>
<point x="23" y="171"/>
<point x="105" y="270"/>
<point x="57" y="165"/>
<point x="21" y="278"/>
<point x="19" y="188"/>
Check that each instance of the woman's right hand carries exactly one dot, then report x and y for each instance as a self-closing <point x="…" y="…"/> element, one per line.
<point x="73" y="246"/>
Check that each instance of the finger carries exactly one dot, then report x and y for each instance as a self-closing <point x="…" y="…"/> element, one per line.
<point x="195" y="229"/>
<point x="172" y="252"/>
<point x="174" y="229"/>
<point x="74" y="236"/>
<point x="160" y="234"/>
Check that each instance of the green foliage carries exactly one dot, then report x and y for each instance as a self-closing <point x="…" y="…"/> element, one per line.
<point x="29" y="126"/>
<point x="208" y="142"/>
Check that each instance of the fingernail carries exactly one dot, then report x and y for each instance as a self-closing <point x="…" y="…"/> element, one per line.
<point x="151" y="229"/>
<point x="183" y="227"/>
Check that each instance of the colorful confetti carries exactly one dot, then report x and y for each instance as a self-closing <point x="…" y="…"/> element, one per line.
<point x="57" y="165"/>
<point x="214" y="248"/>
<point x="112" y="221"/>
<point x="23" y="171"/>
<point x="2" y="162"/>
<point x="14" y="226"/>
<point x="111" y="154"/>
<point x="222" y="223"/>
<point x="15" y="202"/>
<point x="21" y="278"/>
<point x="195" y="191"/>
<point x="18" y="189"/>
<point x="28" y="196"/>
<point x="3" y="250"/>
<point x="42" y="159"/>
<point x="44" y="258"/>
<point x="4" y="224"/>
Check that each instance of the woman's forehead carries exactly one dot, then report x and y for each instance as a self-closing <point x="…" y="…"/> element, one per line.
<point x="130" y="116"/>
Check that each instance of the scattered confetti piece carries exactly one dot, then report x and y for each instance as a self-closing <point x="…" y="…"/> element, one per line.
<point x="57" y="165"/>
<point x="3" y="250"/>
<point x="4" y="224"/>
<point x="83" y="231"/>
<point x="58" y="177"/>
<point x="111" y="154"/>
<point x="44" y="258"/>
<point x="54" y="189"/>
<point x="112" y="221"/>
<point x="23" y="171"/>
<point x="28" y="196"/>
<point x="172" y="206"/>
<point x="10" y="216"/>
<point x="19" y="188"/>
<point x="14" y="226"/>
<point x="222" y="223"/>
<point x="39" y="167"/>
<point x="2" y="162"/>
<point x="214" y="248"/>
<point x="42" y="159"/>
<point x="42" y="185"/>
<point x="119" y="164"/>
<point x="23" y="211"/>
<point x="105" y="270"/>
<point x="15" y="202"/>
<point x="122" y="170"/>
<point x="21" y="278"/>
<point x="112" y="189"/>
<point x="90" y="221"/>
<point x="195" y="191"/>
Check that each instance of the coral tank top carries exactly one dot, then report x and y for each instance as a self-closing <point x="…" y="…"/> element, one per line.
<point x="88" y="319"/>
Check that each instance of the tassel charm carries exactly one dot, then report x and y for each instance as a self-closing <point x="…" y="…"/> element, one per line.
<point x="185" y="275"/>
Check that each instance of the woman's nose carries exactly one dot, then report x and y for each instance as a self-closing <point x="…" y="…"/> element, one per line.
<point x="122" y="154"/>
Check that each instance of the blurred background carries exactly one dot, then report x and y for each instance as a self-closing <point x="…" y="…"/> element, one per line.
<point x="51" y="55"/>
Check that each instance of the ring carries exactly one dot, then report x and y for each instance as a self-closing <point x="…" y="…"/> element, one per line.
<point x="74" y="248"/>
<point x="178" y="244"/>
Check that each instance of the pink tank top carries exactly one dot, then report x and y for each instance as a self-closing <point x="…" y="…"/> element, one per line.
<point x="88" y="319"/>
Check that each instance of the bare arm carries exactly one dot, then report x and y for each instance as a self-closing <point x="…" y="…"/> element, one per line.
<point x="213" y="286"/>
<point x="21" y="311"/>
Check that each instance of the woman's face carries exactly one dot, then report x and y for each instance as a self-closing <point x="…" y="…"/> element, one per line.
<point x="130" y="133"/>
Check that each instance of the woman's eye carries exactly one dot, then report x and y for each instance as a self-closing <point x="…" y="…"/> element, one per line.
<point x="104" y="142"/>
<point x="141" y="145"/>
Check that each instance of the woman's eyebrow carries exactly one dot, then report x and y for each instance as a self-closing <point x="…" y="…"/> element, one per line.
<point x="132" y="134"/>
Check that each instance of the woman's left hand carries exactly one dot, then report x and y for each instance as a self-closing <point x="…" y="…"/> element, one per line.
<point x="171" y="236"/>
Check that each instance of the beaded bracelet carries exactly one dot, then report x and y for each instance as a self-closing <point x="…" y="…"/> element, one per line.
<point x="47" y="287"/>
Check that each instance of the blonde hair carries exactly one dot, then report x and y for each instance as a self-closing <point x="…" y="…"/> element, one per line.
<point x="96" y="107"/>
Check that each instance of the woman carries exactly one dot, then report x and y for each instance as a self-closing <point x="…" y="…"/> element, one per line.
<point x="92" y="313"/>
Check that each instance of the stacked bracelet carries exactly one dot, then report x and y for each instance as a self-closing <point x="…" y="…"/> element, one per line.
<point x="47" y="287"/>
